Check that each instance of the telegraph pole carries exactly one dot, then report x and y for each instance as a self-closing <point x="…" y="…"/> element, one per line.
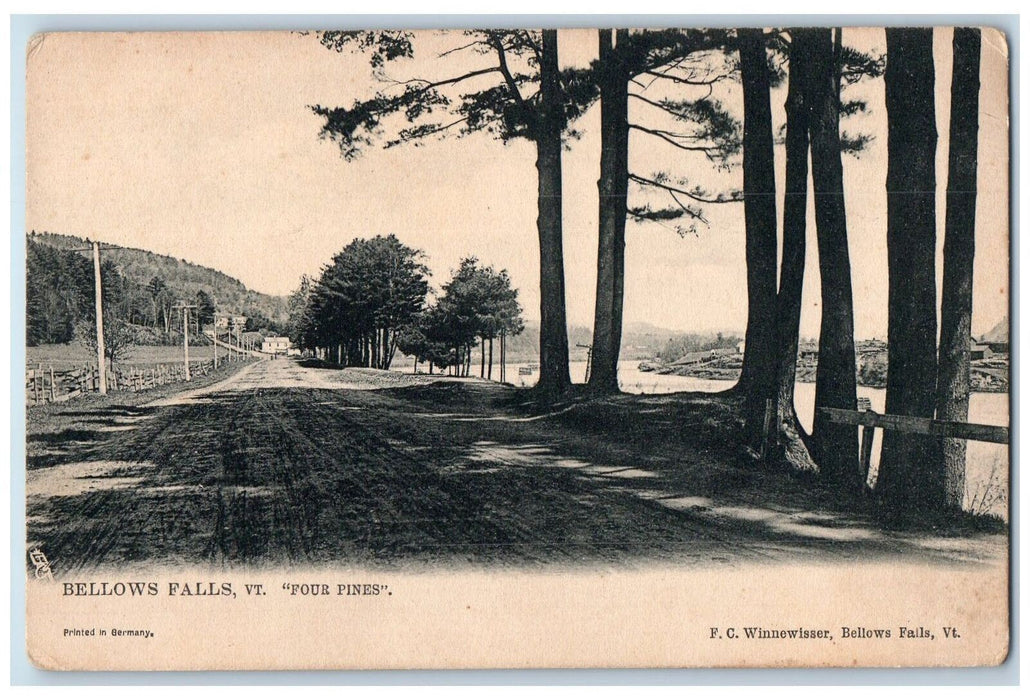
<point x="185" y="307"/>
<point x="101" y="350"/>
<point x="94" y="247"/>
<point x="238" y="323"/>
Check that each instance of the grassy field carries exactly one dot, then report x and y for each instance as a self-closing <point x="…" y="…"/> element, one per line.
<point x="77" y="354"/>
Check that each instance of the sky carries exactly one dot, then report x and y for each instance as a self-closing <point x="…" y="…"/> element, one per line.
<point x="202" y="146"/>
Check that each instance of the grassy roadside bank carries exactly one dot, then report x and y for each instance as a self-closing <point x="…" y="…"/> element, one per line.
<point x="692" y="442"/>
<point x="50" y="423"/>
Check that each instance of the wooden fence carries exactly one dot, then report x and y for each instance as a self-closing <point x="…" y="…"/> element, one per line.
<point x="47" y="384"/>
<point x="869" y="420"/>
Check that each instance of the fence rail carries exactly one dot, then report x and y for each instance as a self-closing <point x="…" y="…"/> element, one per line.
<point x="870" y="420"/>
<point x="923" y="426"/>
<point x="47" y="384"/>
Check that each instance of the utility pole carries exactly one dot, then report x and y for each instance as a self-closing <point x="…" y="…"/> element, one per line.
<point x="590" y="353"/>
<point x="185" y="308"/>
<point x="94" y="247"/>
<point x="238" y="323"/>
<point x="101" y="350"/>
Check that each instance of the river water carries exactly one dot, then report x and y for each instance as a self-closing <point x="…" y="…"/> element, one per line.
<point x="987" y="465"/>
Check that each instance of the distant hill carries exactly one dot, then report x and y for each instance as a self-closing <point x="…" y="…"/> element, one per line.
<point x="640" y="341"/>
<point x="184" y="279"/>
<point x="998" y="334"/>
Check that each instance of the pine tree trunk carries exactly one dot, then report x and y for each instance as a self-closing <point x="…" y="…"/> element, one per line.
<point x="758" y="372"/>
<point x="490" y="364"/>
<point x="909" y="476"/>
<point x="792" y="264"/>
<point x="612" y="189"/>
<point x="554" y="338"/>
<point x="835" y="445"/>
<point x="959" y="247"/>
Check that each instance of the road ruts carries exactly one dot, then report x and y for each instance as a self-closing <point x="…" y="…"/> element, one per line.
<point x="289" y="465"/>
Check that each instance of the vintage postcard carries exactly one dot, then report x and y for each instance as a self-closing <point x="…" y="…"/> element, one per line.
<point x="669" y="347"/>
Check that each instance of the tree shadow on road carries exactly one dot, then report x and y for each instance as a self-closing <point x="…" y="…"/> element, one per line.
<point x="438" y="476"/>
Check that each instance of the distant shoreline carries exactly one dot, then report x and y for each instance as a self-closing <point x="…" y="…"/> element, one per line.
<point x="987" y="380"/>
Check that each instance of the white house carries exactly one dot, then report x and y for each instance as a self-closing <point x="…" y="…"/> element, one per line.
<point x="275" y="345"/>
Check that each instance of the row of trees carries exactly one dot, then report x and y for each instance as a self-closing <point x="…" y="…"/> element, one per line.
<point x="917" y="472"/>
<point x="58" y="293"/>
<point x="370" y="290"/>
<point x="479" y="305"/>
<point x="60" y="297"/>
<point x="521" y="92"/>
<point x="60" y="304"/>
<point x="922" y="379"/>
<point x="371" y="301"/>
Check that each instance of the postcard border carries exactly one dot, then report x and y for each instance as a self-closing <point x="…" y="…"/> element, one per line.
<point x="23" y="673"/>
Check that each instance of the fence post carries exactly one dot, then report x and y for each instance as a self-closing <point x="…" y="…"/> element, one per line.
<point x="868" y="432"/>
<point x="768" y="425"/>
<point x="53" y="389"/>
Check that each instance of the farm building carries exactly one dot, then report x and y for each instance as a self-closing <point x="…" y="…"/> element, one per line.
<point x="997" y="339"/>
<point x="978" y="350"/>
<point x="275" y="345"/>
<point x="808" y="351"/>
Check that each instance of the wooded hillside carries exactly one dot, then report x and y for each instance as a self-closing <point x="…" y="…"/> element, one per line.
<point x="142" y="288"/>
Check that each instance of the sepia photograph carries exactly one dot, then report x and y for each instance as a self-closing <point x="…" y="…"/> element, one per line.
<point x="517" y="348"/>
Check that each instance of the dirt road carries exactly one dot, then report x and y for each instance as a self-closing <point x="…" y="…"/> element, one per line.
<point x="282" y="463"/>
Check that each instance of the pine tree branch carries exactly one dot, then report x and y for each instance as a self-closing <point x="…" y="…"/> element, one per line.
<point x="710" y="152"/>
<point x="667" y="108"/>
<point x="506" y="72"/>
<point x="685" y="81"/>
<point x="422" y="131"/>
<point x="692" y="195"/>
<point x="696" y="213"/>
<point x="456" y="49"/>
<point x="429" y="85"/>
